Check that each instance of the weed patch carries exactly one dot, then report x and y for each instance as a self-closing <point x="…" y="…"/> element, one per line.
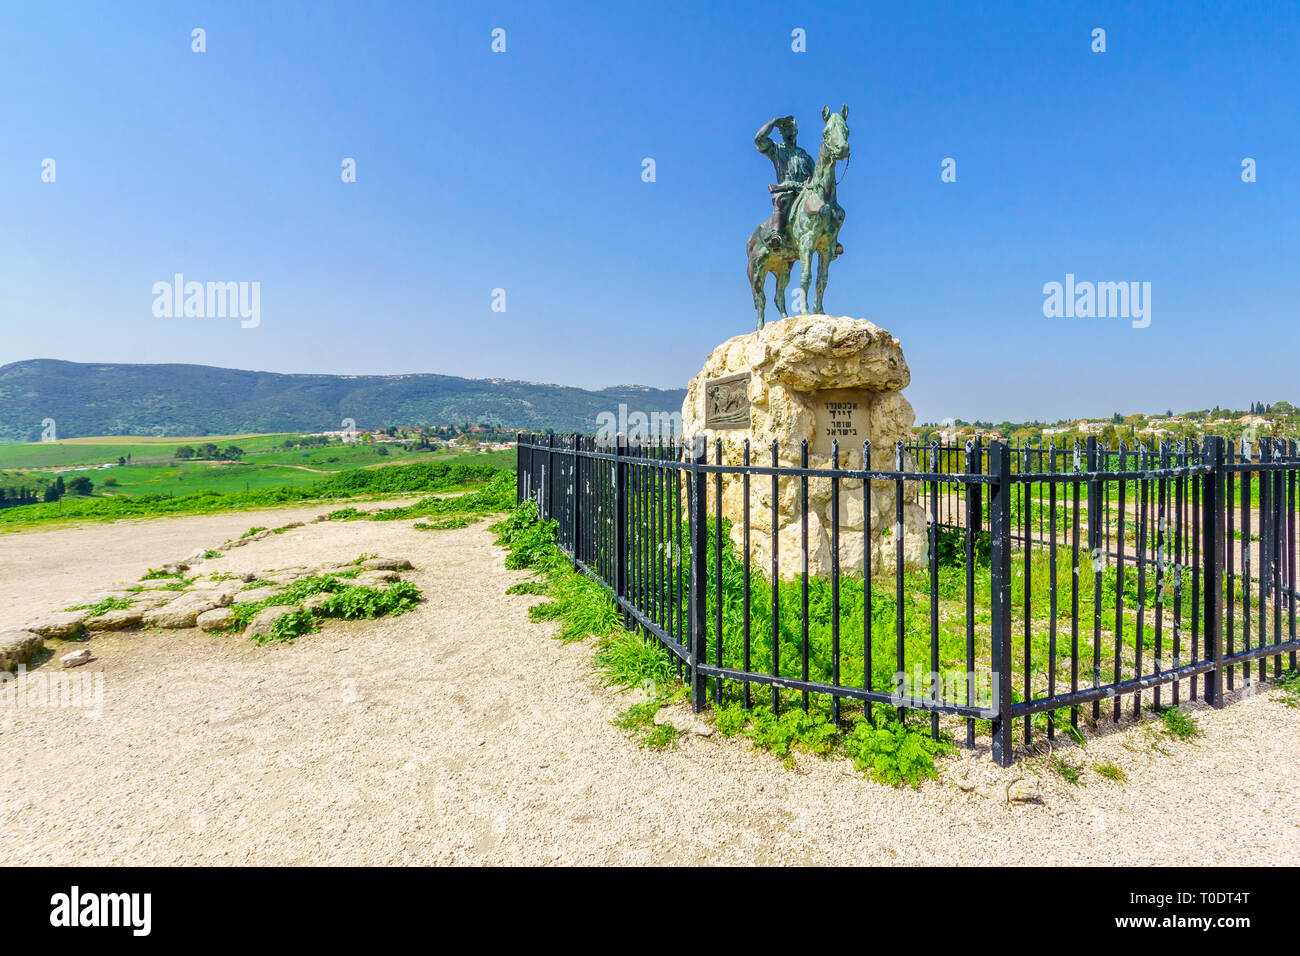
<point x="1180" y="724"/>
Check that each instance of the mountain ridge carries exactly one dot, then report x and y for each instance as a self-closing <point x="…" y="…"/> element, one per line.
<point x="184" y="399"/>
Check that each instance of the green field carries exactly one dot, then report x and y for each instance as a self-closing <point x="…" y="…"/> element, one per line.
<point x="154" y="471"/>
<point x="451" y="475"/>
<point x="267" y="472"/>
<point x="98" y="451"/>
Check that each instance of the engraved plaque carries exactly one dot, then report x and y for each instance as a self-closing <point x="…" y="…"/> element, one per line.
<point x="842" y="413"/>
<point x="726" y="401"/>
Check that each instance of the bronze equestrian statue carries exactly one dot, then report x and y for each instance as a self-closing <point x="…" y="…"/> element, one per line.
<point x="805" y="217"/>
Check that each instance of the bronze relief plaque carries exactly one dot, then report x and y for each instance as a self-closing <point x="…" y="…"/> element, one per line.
<point x="726" y="401"/>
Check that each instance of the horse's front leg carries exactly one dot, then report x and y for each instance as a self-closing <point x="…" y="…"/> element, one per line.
<point x="757" y="276"/>
<point x="805" y="273"/>
<point x="782" y="279"/>
<point x="823" y="270"/>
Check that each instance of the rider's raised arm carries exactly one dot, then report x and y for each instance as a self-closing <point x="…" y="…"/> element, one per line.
<point x="763" y="138"/>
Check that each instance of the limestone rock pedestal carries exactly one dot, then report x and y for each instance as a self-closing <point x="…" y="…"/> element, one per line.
<point x="821" y="378"/>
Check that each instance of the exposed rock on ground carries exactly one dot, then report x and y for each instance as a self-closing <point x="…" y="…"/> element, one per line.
<point x="18" y="647"/>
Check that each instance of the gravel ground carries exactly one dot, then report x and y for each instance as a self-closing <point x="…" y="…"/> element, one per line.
<point x="462" y="733"/>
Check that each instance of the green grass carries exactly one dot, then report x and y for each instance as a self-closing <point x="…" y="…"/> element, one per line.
<point x="97" y="451"/>
<point x="528" y="587"/>
<point x="638" y="721"/>
<point x="102" y="607"/>
<point x="346" y="600"/>
<point x="1180" y="724"/>
<point x="1290" y="685"/>
<point x="446" y="524"/>
<point x="154" y="574"/>
<point x="445" y="476"/>
<point x="1071" y="773"/>
<point x="1110" y="771"/>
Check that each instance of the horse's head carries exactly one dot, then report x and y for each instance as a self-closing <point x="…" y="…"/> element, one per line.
<point x="835" y="137"/>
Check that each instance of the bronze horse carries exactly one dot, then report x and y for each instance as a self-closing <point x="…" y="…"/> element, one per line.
<point x="814" y="226"/>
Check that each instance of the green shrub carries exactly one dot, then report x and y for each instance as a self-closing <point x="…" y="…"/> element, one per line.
<point x="1290" y="685"/>
<point x="287" y="628"/>
<point x="889" y="752"/>
<point x="529" y="587"/>
<point x="154" y="574"/>
<point x="103" y="607"/>
<point x="355" y="601"/>
<point x="1179" y="723"/>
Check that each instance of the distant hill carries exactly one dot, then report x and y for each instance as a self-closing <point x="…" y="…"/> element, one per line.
<point x="93" y="399"/>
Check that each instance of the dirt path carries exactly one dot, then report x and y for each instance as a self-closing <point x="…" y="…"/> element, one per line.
<point x="463" y="733"/>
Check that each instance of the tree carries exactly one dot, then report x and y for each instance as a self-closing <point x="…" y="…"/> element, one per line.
<point x="81" y="485"/>
<point x="233" y="453"/>
<point x="185" y="451"/>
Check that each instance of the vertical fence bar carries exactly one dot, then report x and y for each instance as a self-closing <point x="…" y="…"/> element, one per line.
<point x="776" y="582"/>
<point x="1096" y="558"/>
<point x="1194" y="545"/>
<point x="1122" y="513"/>
<point x="1026" y="466"/>
<point x="1291" y="545"/>
<point x="1000" y="566"/>
<point x="803" y="564"/>
<point x="1213" y="544"/>
<point x="717" y="567"/>
<point x="745" y="492"/>
<point x="1265" y="552"/>
<point x="866" y="574"/>
<point x="620" y="522"/>
<point x="550" y="477"/>
<point x="935" y="693"/>
<point x="835" y="578"/>
<point x="1246" y="562"/>
<point x="575" y="520"/>
<point x="900" y="650"/>
<point x="974" y="521"/>
<point x="698" y="652"/>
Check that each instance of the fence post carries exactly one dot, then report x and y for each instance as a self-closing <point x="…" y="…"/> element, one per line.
<point x="519" y="467"/>
<point x="974" y="522"/>
<point x="550" y="477"/>
<point x="1212" y="545"/>
<point x="575" y="525"/>
<point x="1000" y="572"/>
<point x="620" y="522"/>
<point x="697" y="652"/>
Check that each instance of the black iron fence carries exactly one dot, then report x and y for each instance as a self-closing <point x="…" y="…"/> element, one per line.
<point x="1039" y="586"/>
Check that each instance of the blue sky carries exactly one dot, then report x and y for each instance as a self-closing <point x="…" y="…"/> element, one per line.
<point x="522" y="171"/>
